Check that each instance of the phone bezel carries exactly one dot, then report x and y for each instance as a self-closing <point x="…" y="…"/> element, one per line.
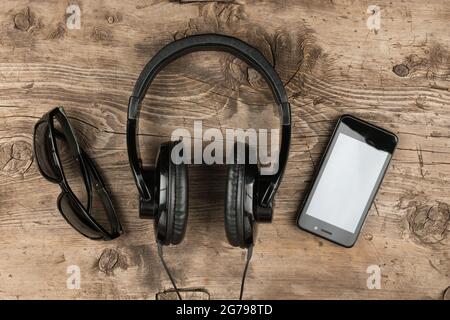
<point x="364" y="132"/>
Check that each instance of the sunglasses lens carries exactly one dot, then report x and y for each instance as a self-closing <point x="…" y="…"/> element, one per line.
<point x="70" y="166"/>
<point x="43" y="152"/>
<point x="74" y="216"/>
<point x="100" y="214"/>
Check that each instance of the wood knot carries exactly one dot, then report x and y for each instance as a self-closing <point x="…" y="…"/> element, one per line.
<point x="16" y="157"/>
<point x="401" y="70"/>
<point x="229" y="14"/>
<point x="179" y="35"/>
<point x="429" y="224"/>
<point x="23" y="20"/>
<point x="429" y="66"/>
<point x="113" y="17"/>
<point x="108" y="260"/>
<point x="254" y="77"/>
<point x="368" y="236"/>
<point x="101" y="34"/>
<point x="236" y="71"/>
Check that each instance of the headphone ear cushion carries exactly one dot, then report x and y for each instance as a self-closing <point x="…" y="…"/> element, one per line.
<point x="179" y="201"/>
<point x="234" y="205"/>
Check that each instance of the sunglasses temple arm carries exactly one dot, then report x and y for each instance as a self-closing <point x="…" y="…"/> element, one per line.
<point x="99" y="186"/>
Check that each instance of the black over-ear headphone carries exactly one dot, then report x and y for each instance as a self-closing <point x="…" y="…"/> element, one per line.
<point x="164" y="189"/>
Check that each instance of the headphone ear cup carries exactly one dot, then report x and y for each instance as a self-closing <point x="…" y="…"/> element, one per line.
<point x="178" y="201"/>
<point x="170" y="226"/>
<point x="161" y="194"/>
<point x="234" y="205"/>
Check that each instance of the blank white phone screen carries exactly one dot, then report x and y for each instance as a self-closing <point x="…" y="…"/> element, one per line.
<point x="346" y="183"/>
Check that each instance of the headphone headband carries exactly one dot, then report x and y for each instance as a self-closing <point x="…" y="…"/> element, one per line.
<point x="209" y="42"/>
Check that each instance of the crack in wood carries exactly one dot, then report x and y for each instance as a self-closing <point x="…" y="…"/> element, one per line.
<point x="186" y="294"/>
<point x="420" y="157"/>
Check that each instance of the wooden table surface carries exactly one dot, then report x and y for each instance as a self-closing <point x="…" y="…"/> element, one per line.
<point x="331" y="63"/>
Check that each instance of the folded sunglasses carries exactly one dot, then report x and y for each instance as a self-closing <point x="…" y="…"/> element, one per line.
<point x="51" y="132"/>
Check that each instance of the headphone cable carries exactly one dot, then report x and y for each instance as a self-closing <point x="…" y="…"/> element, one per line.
<point x="161" y="256"/>
<point x="249" y="257"/>
<point x="160" y="253"/>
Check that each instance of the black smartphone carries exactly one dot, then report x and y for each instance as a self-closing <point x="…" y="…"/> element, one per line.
<point x="351" y="170"/>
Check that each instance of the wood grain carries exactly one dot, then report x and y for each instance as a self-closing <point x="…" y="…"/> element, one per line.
<point x="330" y="63"/>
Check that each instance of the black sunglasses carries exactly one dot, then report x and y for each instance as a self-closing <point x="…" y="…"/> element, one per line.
<point x="46" y="153"/>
